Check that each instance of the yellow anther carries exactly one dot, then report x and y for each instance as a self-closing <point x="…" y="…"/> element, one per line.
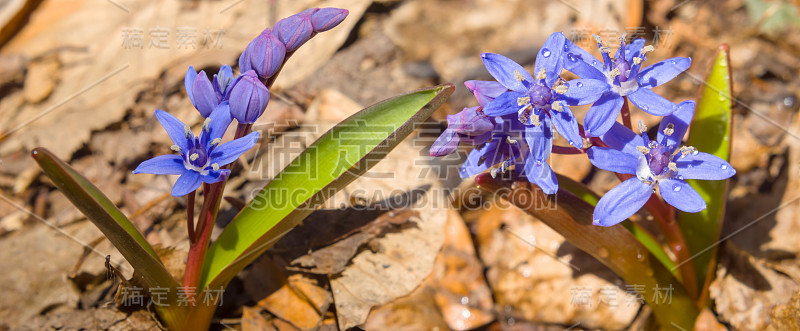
<point x="561" y="89"/>
<point x="642" y="127"/>
<point x="647" y="49"/>
<point x="672" y="166"/>
<point x="187" y="131"/>
<point x="193" y="157"/>
<point x="541" y="74"/>
<point x="205" y="124"/>
<point x="521" y="101"/>
<point x="614" y="73"/>
<point x="175" y="148"/>
<point x="511" y="141"/>
<point x="642" y="149"/>
<point x="556" y="106"/>
<point x="215" y="166"/>
<point x="605" y="49"/>
<point x="637" y="60"/>
<point x="518" y="76"/>
<point x="686" y="150"/>
<point x="215" y="141"/>
<point x="535" y="120"/>
<point x="669" y="130"/>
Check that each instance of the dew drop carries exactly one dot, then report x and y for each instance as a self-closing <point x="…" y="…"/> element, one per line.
<point x="464" y="300"/>
<point x="640" y="256"/>
<point x="545" y="52"/>
<point x="511" y="321"/>
<point x="673" y="62"/>
<point x="579" y="84"/>
<point x="724" y="167"/>
<point x="676" y="187"/>
<point x="572" y="57"/>
<point x="603" y="252"/>
<point x="465" y="313"/>
<point x="680" y="177"/>
<point x="645" y="107"/>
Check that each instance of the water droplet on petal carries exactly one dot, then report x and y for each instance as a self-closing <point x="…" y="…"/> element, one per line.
<point x="676" y="187"/>
<point x="673" y="62"/>
<point x="724" y="167"/>
<point x="572" y="57"/>
<point x="464" y="300"/>
<point x="680" y="177"/>
<point x="579" y="84"/>
<point x="545" y="52"/>
<point x="645" y="107"/>
<point x="465" y="313"/>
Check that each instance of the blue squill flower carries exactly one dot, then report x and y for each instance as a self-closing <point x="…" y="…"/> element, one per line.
<point x="201" y="92"/>
<point x="622" y="76"/>
<point x="539" y="104"/>
<point x="659" y="162"/>
<point x="265" y="54"/>
<point x="248" y="98"/>
<point x="469" y="125"/>
<point x="200" y="158"/>
<point x="485" y="90"/>
<point x="222" y="82"/>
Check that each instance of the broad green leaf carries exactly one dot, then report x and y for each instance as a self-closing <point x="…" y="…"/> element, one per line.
<point x="710" y="132"/>
<point x="148" y="269"/>
<point x="337" y="158"/>
<point x="614" y="246"/>
<point x="644" y="237"/>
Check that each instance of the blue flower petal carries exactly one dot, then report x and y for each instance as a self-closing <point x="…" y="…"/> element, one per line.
<point x="203" y="96"/>
<point x="602" y="115"/>
<point x="162" y="165"/>
<point x="230" y="151"/>
<point x="550" y="58"/>
<point x="621" y="202"/>
<point x="503" y="70"/>
<point x="542" y="175"/>
<point x="663" y="71"/>
<point x="218" y="123"/>
<point x="482" y="158"/>
<point x="583" y="64"/>
<point x="621" y="138"/>
<point x="186" y="183"/>
<point x="188" y="82"/>
<point x="540" y="139"/>
<point x="632" y="50"/>
<point x="652" y="103"/>
<point x="679" y="122"/>
<point x="613" y="160"/>
<point x="704" y="166"/>
<point x="681" y="195"/>
<point x="175" y="129"/>
<point x="216" y="177"/>
<point x="584" y="91"/>
<point x="446" y="143"/>
<point x="504" y="104"/>
<point x="566" y="125"/>
<point x="484" y="90"/>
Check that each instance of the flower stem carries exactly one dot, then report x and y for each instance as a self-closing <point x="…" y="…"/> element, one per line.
<point x="626" y="114"/>
<point x="190" y="215"/>
<point x="566" y="150"/>
<point x="205" y="223"/>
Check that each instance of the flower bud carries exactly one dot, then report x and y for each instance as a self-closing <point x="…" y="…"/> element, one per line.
<point x="248" y="98"/>
<point x="325" y="19"/>
<point x="201" y="92"/>
<point x="264" y="55"/>
<point x="294" y="30"/>
<point x="223" y="80"/>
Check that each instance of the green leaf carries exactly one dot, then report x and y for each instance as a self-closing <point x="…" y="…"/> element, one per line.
<point x="148" y="269"/>
<point x="710" y="132"/>
<point x="337" y="158"/>
<point x="644" y="237"/>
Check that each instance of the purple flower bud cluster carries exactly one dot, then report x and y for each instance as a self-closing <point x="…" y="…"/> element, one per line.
<point x="201" y="159"/>
<point x="519" y="114"/>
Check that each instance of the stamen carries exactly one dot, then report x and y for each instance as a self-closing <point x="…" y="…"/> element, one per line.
<point x="587" y="143"/>
<point x="205" y="124"/>
<point x="193" y="157"/>
<point x="215" y="141"/>
<point x="215" y="166"/>
<point x="535" y="121"/>
<point x="541" y="74"/>
<point x="686" y="150"/>
<point x="672" y="166"/>
<point x="637" y="60"/>
<point x="493" y="172"/>
<point x="642" y="149"/>
<point x="521" y="101"/>
<point x="518" y="76"/>
<point x="605" y="49"/>
<point x="615" y="73"/>
<point x="642" y="127"/>
<point x="561" y="89"/>
<point x="175" y="148"/>
<point x="647" y="49"/>
<point x="187" y="131"/>
<point x="556" y="106"/>
<point x="670" y="129"/>
<point x="511" y="141"/>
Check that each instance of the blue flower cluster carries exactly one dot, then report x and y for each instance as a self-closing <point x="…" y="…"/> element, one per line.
<point x="519" y="114"/>
<point x="202" y="159"/>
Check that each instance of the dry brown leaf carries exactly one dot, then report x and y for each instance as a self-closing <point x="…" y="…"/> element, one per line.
<point x="252" y="320"/>
<point x="537" y="276"/>
<point x="405" y="258"/>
